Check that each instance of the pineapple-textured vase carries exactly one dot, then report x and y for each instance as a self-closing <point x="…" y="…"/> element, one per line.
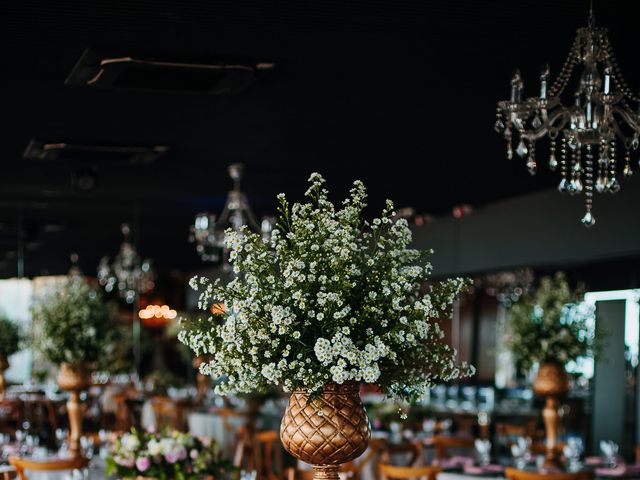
<point x="328" y="430"/>
<point x="74" y="377"/>
<point x="551" y="382"/>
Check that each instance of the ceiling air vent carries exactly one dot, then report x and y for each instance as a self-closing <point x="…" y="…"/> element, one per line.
<point x="161" y="75"/>
<point x="92" y="153"/>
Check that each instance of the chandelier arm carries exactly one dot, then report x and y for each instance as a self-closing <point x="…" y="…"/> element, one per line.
<point x="560" y="115"/>
<point x="627" y="118"/>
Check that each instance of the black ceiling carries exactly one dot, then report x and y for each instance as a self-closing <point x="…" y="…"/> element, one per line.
<point x="398" y="93"/>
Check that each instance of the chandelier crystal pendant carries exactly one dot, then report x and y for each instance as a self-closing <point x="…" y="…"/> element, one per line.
<point x="208" y="230"/>
<point x="587" y="137"/>
<point x="127" y="274"/>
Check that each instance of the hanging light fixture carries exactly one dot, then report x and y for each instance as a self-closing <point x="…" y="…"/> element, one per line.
<point x="127" y="274"/>
<point x="586" y="136"/>
<point x="208" y="230"/>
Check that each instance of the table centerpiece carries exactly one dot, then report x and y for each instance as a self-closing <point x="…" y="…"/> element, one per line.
<point x="73" y="329"/>
<point x="549" y="328"/>
<point x="333" y="300"/>
<point x="164" y="455"/>
<point x="10" y="338"/>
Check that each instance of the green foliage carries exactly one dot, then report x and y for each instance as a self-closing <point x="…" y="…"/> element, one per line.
<point x="551" y="325"/>
<point x="10" y="337"/>
<point x="73" y="324"/>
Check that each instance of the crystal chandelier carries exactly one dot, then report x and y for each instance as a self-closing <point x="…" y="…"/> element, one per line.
<point x="590" y="133"/>
<point x="128" y="274"/>
<point x="208" y="231"/>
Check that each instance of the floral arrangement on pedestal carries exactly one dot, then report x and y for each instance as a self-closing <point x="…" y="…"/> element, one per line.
<point x="551" y="325"/>
<point x="330" y="301"/>
<point x="73" y="329"/>
<point x="164" y="455"/>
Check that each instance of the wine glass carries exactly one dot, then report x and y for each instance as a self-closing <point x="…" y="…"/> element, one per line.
<point x="483" y="447"/>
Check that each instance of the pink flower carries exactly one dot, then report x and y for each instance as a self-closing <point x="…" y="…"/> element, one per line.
<point x="171" y="457"/>
<point x="143" y="463"/>
<point x="181" y="453"/>
<point x="194" y="454"/>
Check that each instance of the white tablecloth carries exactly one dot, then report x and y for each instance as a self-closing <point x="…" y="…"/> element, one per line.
<point x="212" y="426"/>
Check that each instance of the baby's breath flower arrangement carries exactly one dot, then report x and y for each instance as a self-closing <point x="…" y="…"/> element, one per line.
<point x="72" y="323"/>
<point x="331" y="298"/>
<point x="551" y="325"/>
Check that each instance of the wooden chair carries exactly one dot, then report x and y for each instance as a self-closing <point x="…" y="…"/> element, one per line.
<point x="443" y="443"/>
<point x="353" y="470"/>
<point x="401" y="473"/>
<point x="515" y="474"/>
<point x="22" y="464"/>
<point x="411" y="449"/>
<point x="638" y="454"/>
<point x="267" y="454"/>
<point x="8" y="473"/>
<point x="168" y="413"/>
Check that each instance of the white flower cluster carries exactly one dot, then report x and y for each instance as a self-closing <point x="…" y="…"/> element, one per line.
<point x="331" y="298"/>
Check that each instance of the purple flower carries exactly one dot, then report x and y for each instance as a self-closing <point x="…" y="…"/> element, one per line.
<point x="143" y="463"/>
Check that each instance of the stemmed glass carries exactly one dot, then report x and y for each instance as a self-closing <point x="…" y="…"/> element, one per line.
<point x="609" y="451"/>
<point x="573" y="451"/>
<point x="521" y="452"/>
<point x="483" y="447"/>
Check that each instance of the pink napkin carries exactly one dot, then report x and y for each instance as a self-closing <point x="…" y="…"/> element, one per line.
<point x="617" y="471"/>
<point x="455" y="462"/>
<point x="592" y="460"/>
<point x="481" y="469"/>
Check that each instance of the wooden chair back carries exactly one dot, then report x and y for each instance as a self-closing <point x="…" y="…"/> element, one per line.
<point x="22" y="464"/>
<point x="168" y="413"/>
<point x="388" y="472"/>
<point x="411" y="450"/>
<point x="443" y="443"/>
<point x="515" y="474"/>
<point x="8" y="473"/>
<point x="267" y="452"/>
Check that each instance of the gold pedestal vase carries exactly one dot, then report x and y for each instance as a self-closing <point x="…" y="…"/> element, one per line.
<point x="4" y="365"/>
<point x="74" y="378"/>
<point x="551" y="382"/>
<point x="326" y="431"/>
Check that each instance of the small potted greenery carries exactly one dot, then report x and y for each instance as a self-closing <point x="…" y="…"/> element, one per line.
<point x="73" y="328"/>
<point x="9" y="344"/>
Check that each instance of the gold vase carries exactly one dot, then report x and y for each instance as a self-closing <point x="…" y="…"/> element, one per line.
<point x="551" y="382"/>
<point x="326" y="431"/>
<point x="4" y="364"/>
<point x="74" y="377"/>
